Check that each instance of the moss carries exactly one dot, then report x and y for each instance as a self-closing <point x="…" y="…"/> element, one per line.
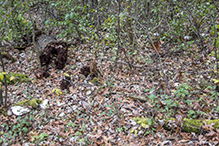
<point x="12" y="78"/>
<point x="33" y="102"/>
<point x="192" y="125"/>
<point x="3" y="111"/>
<point x="172" y="119"/>
<point x="24" y="102"/>
<point x="189" y="125"/>
<point x="216" y="125"/>
<point x="96" y="81"/>
<point x="8" y="56"/>
<point x="144" y="122"/>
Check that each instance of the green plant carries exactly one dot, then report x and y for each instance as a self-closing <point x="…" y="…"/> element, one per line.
<point x="183" y="90"/>
<point x="119" y="129"/>
<point x="191" y="114"/>
<point x="57" y="91"/>
<point x="71" y="124"/>
<point x="146" y="126"/>
<point x="33" y="102"/>
<point x="41" y="137"/>
<point x="12" y="78"/>
<point x="14" y="25"/>
<point x="20" y="128"/>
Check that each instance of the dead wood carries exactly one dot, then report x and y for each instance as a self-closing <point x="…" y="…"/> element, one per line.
<point x="48" y="48"/>
<point x="91" y="70"/>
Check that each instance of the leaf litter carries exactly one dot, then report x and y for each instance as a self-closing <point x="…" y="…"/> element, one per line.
<point x="104" y="114"/>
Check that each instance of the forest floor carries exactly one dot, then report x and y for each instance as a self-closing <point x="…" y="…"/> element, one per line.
<point x="179" y="85"/>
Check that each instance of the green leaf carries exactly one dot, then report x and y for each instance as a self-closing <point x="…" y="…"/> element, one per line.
<point x="144" y="125"/>
<point x="25" y="129"/>
<point x="152" y="96"/>
<point x="216" y="81"/>
<point x="146" y="90"/>
<point x="66" y="74"/>
<point x="136" y="132"/>
<point x="57" y="91"/>
<point x="81" y="140"/>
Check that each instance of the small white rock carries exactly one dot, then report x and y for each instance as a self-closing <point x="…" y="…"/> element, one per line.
<point x="44" y="104"/>
<point x="162" y="122"/>
<point x="79" y="65"/>
<point x="9" y="113"/>
<point x="88" y="92"/>
<point x="62" y="114"/>
<point x="123" y="110"/>
<point x="69" y="110"/>
<point x="60" y="104"/>
<point x="19" y="110"/>
<point x="132" y="122"/>
<point x="74" y="107"/>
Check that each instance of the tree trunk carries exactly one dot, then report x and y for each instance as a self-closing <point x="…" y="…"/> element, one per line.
<point x="129" y="23"/>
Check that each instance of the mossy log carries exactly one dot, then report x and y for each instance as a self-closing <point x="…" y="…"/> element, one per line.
<point x="12" y="78"/>
<point x="33" y="102"/>
<point x="187" y="125"/>
<point x="96" y="82"/>
<point x="193" y="125"/>
<point x="8" y="56"/>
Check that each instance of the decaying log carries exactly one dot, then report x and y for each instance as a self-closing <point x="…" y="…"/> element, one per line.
<point x="40" y="73"/>
<point x="48" y="47"/>
<point x="185" y="124"/>
<point x="91" y="70"/>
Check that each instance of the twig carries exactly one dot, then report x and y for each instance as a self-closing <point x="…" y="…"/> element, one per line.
<point x="5" y="82"/>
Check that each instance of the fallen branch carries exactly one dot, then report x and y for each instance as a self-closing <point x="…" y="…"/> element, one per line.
<point x="186" y="125"/>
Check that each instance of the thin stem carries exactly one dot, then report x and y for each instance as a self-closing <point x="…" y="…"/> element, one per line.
<point x="5" y="82"/>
